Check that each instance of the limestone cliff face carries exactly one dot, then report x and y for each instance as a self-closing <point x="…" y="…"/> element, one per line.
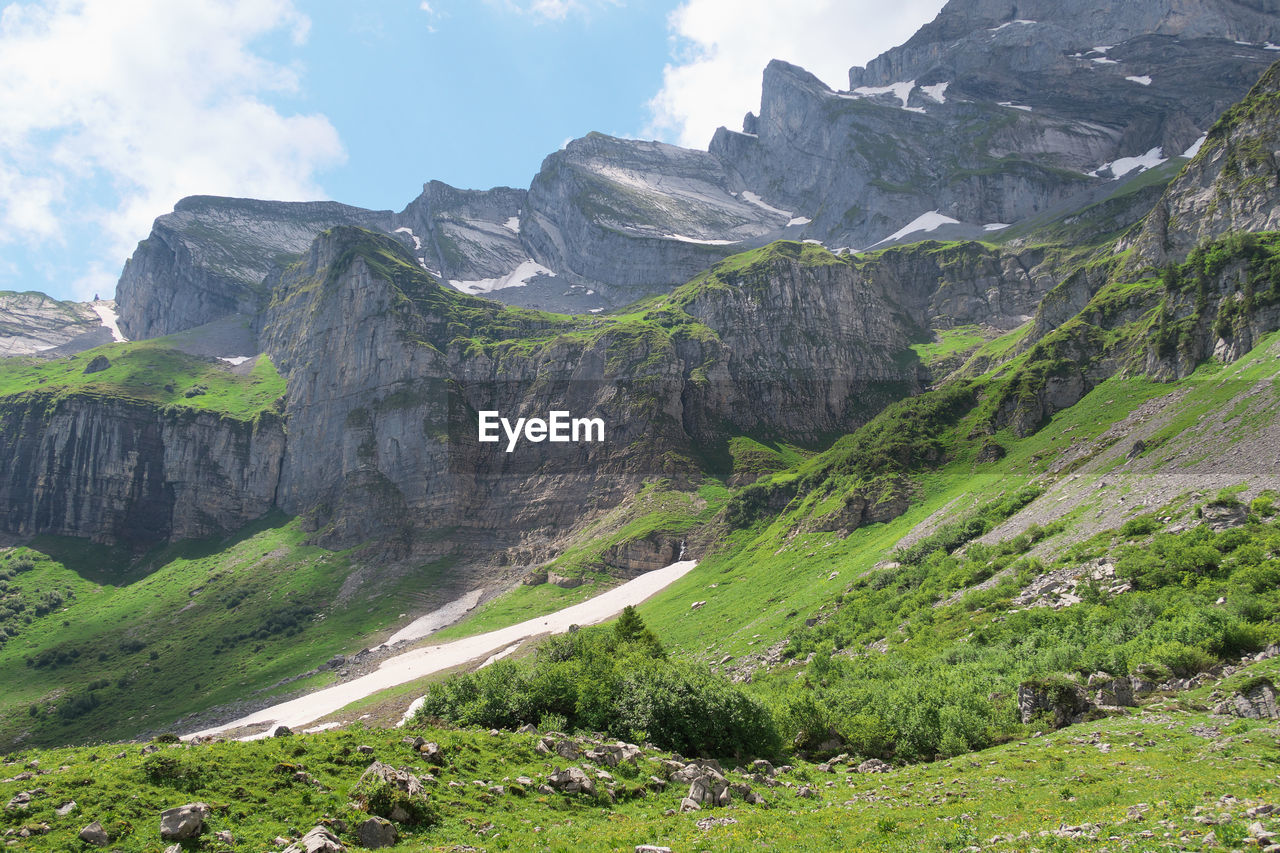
<point x="208" y="258"/>
<point x="1233" y="184"/>
<point x="387" y="371"/>
<point x="32" y="323"/>
<point x="130" y="473"/>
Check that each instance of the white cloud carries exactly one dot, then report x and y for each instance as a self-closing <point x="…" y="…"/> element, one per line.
<point x="115" y="109"/>
<point x="554" y="10"/>
<point x="720" y="47"/>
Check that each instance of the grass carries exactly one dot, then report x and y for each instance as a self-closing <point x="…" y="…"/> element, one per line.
<point x="948" y="344"/>
<point x="1155" y="775"/>
<point x="116" y="657"/>
<point x="151" y="372"/>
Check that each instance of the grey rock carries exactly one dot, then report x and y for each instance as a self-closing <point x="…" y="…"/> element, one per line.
<point x="97" y="364"/>
<point x="183" y="823"/>
<point x="1064" y="701"/>
<point x="94" y="834"/>
<point x="282" y="731"/>
<point x="36" y="324"/>
<point x="1258" y="702"/>
<point x="572" y="781"/>
<point x="874" y="765"/>
<point x="376" y="832"/>
<point x="318" y="840"/>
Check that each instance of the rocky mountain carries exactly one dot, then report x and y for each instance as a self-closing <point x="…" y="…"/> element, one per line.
<point x="994" y="114"/>
<point x="32" y="323"/>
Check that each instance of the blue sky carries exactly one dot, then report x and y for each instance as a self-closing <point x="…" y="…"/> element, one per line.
<point x="112" y="110"/>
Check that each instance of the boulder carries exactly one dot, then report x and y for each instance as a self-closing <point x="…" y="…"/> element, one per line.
<point x="572" y="781"/>
<point x="431" y="752"/>
<point x="564" y="582"/>
<point x="1257" y="701"/>
<point x="282" y="731"/>
<point x="528" y="729"/>
<point x="399" y="808"/>
<point x="688" y="805"/>
<point x="1110" y="690"/>
<point x="1064" y="700"/>
<point x="568" y="750"/>
<point x="97" y="364"/>
<point x="225" y="836"/>
<point x="183" y="822"/>
<point x="874" y="765"/>
<point x="318" y="840"/>
<point x="94" y="834"/>
<point x="376" y="832"/>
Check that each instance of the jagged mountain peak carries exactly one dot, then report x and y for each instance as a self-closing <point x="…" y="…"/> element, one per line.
<point x="981" y="28"/>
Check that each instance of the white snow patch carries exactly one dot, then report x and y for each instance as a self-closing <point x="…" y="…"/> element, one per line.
<point x="236" y="360"/>
<point x="799" y="220"/>
<point x="937" y="91"/>
<point x="442" y="617"/>
<point x="1102" y="60"/>
<point x="1125" y="165"/>
<point x="1009" y="24"/>
<point x="513" y="223"/>
<point x="411" y="710"/>
<point x="107" y="314"/>
<point x="497" y="656"/>
<point x="1270" y="46"/>
<point x="920" y="110"/>
<point x="1196" y="146"/>
<point x="597" y="310"/>
<point x="930" y="221"/>
<point x="1014" y="106"/>
<point x="420" y="662"/>
<point x="323" y="727"/>
<point x="684" y="239"/>
<point x="417" y="244"/>
<point x="1102" y="48"/>
<point x="994" y="226"/>
<point x="1144" y="80"/>
<point x="751" y="198"/>
<point x="1245" y="43"/>
<point x="901" y="91"/>
<point x="518" y="277"/>
<point x="814" y="242"/>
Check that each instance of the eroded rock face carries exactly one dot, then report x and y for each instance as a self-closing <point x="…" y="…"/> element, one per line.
<point x="1063" y="701"/>
<point x="118" y="471"/>
<point x="384" y="384"/>
<point x="1257" y="702"/>
<point x="32" y="323"/>
<point x="208" y="258"/>
<point x="1229" y="186"/>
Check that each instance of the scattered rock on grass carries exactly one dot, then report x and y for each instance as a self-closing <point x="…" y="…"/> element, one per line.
<point x="183" y="822"/>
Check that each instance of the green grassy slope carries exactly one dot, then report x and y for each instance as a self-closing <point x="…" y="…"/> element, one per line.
<point x="101" y="645"/>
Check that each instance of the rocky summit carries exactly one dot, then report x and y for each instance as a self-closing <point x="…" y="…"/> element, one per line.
<point x="897" y="472"/>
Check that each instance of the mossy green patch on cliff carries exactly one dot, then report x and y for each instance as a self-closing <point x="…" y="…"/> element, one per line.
<point x="152" y="372"/>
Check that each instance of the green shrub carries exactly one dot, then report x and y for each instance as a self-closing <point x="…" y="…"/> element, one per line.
<point x="379" y="797"/>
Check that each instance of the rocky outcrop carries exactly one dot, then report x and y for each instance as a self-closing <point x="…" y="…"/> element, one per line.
<point x="1063" y="701"/>
<point x="127" y="472"/>
<point x="1231" y="185"/>
<point x="208" y="258"/>
<point x="387" y="370"/>
<point x="1255" y="701"/>
<point x="32" y="323"/>
<point x="319" y="840"/>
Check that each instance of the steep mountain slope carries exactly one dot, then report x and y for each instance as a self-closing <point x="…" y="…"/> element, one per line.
<point x="994" y="114"/>
<point x="32" y="323"/>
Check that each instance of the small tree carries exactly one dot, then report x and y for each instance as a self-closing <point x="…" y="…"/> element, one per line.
<point x="629" y="627"/>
